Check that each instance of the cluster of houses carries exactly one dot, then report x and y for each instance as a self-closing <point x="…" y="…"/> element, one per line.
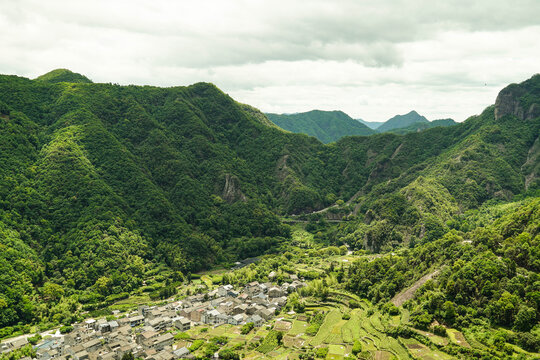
<point x="146" y="334"/>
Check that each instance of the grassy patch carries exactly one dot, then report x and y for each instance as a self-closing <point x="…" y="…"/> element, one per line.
<point x="336" y="351"/>
<point x="420" y="351"/>
<point x="207" y="281"/>
<point x="457" y="338"/>
<point x="436" y="339"/>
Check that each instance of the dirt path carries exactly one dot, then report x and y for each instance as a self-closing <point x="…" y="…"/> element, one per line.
<point x="408" y="294"/>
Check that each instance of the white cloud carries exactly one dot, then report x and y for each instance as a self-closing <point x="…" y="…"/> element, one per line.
<point x="370" y="59"/>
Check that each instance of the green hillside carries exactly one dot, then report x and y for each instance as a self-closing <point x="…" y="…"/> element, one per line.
<point x="420" y="126"/>
<point x="63" y="75"/>
<point x="103" y="186"/>
<point x="327" y="126"/>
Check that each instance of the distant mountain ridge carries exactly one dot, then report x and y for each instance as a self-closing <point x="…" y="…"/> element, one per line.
<point x="327" y="126"/>
<point x="330" y="126"/>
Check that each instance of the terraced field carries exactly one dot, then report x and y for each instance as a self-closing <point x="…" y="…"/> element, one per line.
<point x="422" y="352"/>
<point x="458" y="338"/>
<point x="330" y="330"/>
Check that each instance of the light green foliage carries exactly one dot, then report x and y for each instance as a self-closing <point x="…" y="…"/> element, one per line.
<point x="357" y="347"/>
<point x="196" y="345"/>
<point x="246" y="328"/>
<point x="321" y="352"/>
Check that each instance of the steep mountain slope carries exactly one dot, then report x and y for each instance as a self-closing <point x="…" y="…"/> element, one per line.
<point x="100" y="183"/>
<point x="327" y="126"/>
<point x="401" y="121"/>
<point x="489" y="160"/>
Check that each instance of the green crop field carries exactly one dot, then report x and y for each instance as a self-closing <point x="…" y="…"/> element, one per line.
<point x="332" y="319"/>
<point x="336" y="352"/>
<point x="298" y="327"/>
<point x="353" y="329"/>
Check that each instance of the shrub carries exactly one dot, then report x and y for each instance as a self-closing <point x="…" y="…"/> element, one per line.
<point x="196" y="345"/>
<point x="181" y="336"/>
<point x="322" y="352"/>
<point x="34" y="339"/>
<point x="440" y="330"/>
<point x="66" y="329"/>
<point x="247" y="328"/>
<point x="391" y="309"/>
<point x="357" y="347"/>
<point x="228" y="354"/>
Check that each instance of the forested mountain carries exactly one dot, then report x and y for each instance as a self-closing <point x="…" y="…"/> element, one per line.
<point x="401" y="121"/>
<point x="100" y="183"/>
<point x="327" y="126"/>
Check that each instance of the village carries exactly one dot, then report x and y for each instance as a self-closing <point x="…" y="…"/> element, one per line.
<point x="148" y="333"/>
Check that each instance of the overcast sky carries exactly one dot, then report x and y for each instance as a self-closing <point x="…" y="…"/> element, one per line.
<point x="371" y="59"/>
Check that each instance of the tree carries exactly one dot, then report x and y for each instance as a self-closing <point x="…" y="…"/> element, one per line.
<point x="103" y="285"/>
<point x="525" y="318"/>
<point x="449" y="312"/>
<point x="247" y="328"/>
<point x="52" y="292"/>
<point x="279" y="337"/>
<point x="228" y="354"/>
<point x="128" y="356"/>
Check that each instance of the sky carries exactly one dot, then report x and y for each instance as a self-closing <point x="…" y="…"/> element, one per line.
<point x="370" y="59"/>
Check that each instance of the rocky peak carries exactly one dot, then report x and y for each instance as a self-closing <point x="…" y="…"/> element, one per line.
<point x="519" y="100"/>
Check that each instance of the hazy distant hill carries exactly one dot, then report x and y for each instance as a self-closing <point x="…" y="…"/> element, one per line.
<point x="401" y="121"/>
<point x="371" y="124"/>
<point x="327" y="126"/>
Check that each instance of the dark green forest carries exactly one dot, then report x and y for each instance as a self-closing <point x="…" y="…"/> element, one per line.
<point x="102" y="184"/>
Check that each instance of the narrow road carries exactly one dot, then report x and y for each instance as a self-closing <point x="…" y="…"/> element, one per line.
<point x="408" y="294"/>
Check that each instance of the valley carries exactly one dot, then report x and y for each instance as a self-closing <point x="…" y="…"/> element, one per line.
<point x="314" y="321"/>
<point x="420" y="244"/>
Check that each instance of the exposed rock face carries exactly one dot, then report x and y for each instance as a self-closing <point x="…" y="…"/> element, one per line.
<point x="509" y="102"/>
<point x="282" y="170"/>
<point x="231" y="190"/>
